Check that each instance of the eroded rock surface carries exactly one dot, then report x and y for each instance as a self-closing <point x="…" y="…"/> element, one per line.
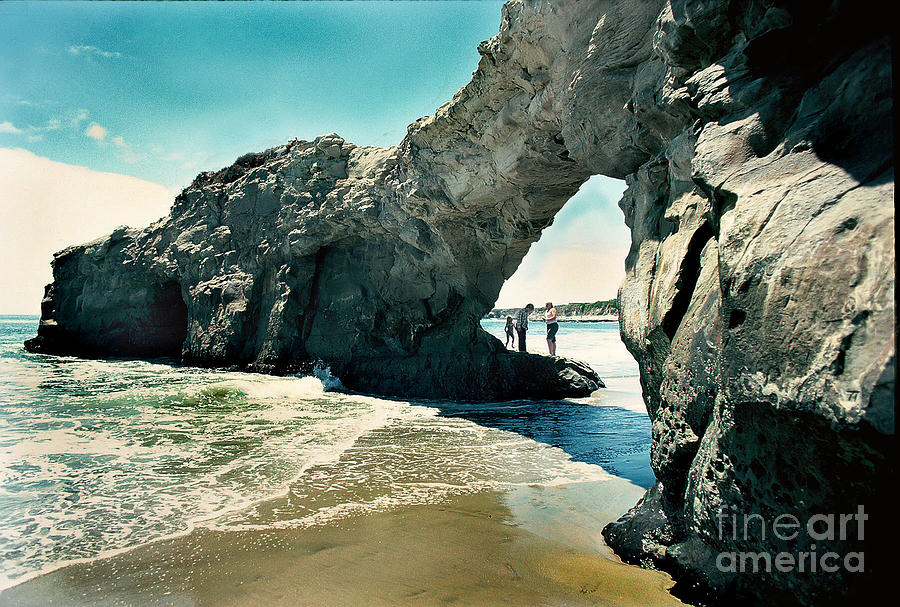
<point x="757" y="143"/>
<point x="312" y="251"/>
<point x="759" y="297"/>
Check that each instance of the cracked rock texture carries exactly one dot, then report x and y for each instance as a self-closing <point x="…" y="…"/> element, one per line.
<point x="756" y="140"/>
<point x="313" y="251"/>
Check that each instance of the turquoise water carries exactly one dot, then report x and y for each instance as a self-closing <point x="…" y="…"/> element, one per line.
<point x="99" y="456"/>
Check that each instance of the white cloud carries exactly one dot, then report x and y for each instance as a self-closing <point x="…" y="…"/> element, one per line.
<point x="130" y="156"/>
<point x="73" y="122"/>
<point x="32" y="133"/>
<point x="95" y="131"/>
<point x="9" y="128"/>
<point x="125" y="152"/>
<point x="22" y="102"/>
<point x="47" y="205"/>
<point x="92" y="51"/>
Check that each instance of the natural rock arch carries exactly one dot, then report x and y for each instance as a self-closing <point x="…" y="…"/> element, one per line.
<point x="756" y="141"/>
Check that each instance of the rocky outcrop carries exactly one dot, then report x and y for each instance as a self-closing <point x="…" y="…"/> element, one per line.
<point x="759" y="296"/>
<point x="312" y="251"/>
<point x="757" y="144"/>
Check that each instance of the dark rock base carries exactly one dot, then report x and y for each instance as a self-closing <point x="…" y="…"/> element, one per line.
<point x="492" y="376"/>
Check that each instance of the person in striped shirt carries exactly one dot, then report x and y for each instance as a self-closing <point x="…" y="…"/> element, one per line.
<point x="522" y="324"/>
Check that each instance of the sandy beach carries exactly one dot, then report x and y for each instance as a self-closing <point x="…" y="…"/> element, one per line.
<point x="470" y="550"/>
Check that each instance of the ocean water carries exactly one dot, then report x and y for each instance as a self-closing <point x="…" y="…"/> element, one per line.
<point x="99" y="456"/>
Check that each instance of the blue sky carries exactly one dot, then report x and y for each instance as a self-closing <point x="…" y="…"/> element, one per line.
<point x="202" y="84"/>
<point x="160" y="92"/>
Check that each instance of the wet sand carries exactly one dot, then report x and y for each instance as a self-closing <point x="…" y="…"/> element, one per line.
<point x="526" y="547"/>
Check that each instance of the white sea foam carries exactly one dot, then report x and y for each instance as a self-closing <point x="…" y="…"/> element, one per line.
<point x="329" y="381"/>
<point x="417" y="457"/>
<point x="118" y="453"/>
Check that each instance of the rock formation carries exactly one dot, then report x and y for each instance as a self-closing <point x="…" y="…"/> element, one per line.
<point x="315" y="251"/>
<point x="756" y="140"/>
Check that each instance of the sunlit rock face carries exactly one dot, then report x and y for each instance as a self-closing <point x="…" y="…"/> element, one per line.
<point x="756" y="141"/>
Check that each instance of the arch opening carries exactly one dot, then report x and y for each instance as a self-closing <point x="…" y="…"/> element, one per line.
<point x="579" y="264"/>
<point x="580" y="256"/>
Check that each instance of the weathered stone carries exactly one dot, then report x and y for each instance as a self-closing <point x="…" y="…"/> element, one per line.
<point x="762" y="262"/>
<point x="285" y="259"/>
<point x="756" y="140"/>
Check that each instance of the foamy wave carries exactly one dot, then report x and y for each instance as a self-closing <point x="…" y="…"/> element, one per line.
<point x="279" y="388"/>
<point x="415" y="458"/>
<point x="103" y="456"/>
<point x="413" y="495"/>
<point x="142" y="451"/>
<point x="322" y="374"/>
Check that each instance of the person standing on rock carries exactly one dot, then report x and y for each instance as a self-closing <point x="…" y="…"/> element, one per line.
<point x="510" y="332"/>
<point x="522" y="324"/>
<point x="552" y="327"/>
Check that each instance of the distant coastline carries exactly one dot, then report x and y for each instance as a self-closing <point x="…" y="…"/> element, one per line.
<point x="598" y="311"/>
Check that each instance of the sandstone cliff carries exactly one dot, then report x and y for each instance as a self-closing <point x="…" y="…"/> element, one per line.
<point x="756" y="140"/>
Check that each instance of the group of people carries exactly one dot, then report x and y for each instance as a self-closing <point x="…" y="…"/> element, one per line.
<point x="521" y="327"/>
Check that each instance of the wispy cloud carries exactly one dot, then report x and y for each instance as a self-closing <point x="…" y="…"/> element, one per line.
<point x="22" y="102"/>
<point x="31" y="132"/>
<point x="78" y="116"/>
<point x="78" y="123"/>
<point x="9" y="128"/>
<point x="95" y="131"/>
<point x="185" y="160"/>
<point x="92" y="51"/>
<point x="126" y="152"/>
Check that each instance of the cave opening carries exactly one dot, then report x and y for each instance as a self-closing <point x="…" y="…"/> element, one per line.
<point x="166" y="323"/>
<point x="579" y="261"/>
<point x="580" y="257"/>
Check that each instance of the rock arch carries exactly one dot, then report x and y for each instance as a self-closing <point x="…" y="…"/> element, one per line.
<point x="756" y="141"/>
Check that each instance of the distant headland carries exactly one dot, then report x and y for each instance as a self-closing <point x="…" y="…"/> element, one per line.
<point x="606" y="310"/>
